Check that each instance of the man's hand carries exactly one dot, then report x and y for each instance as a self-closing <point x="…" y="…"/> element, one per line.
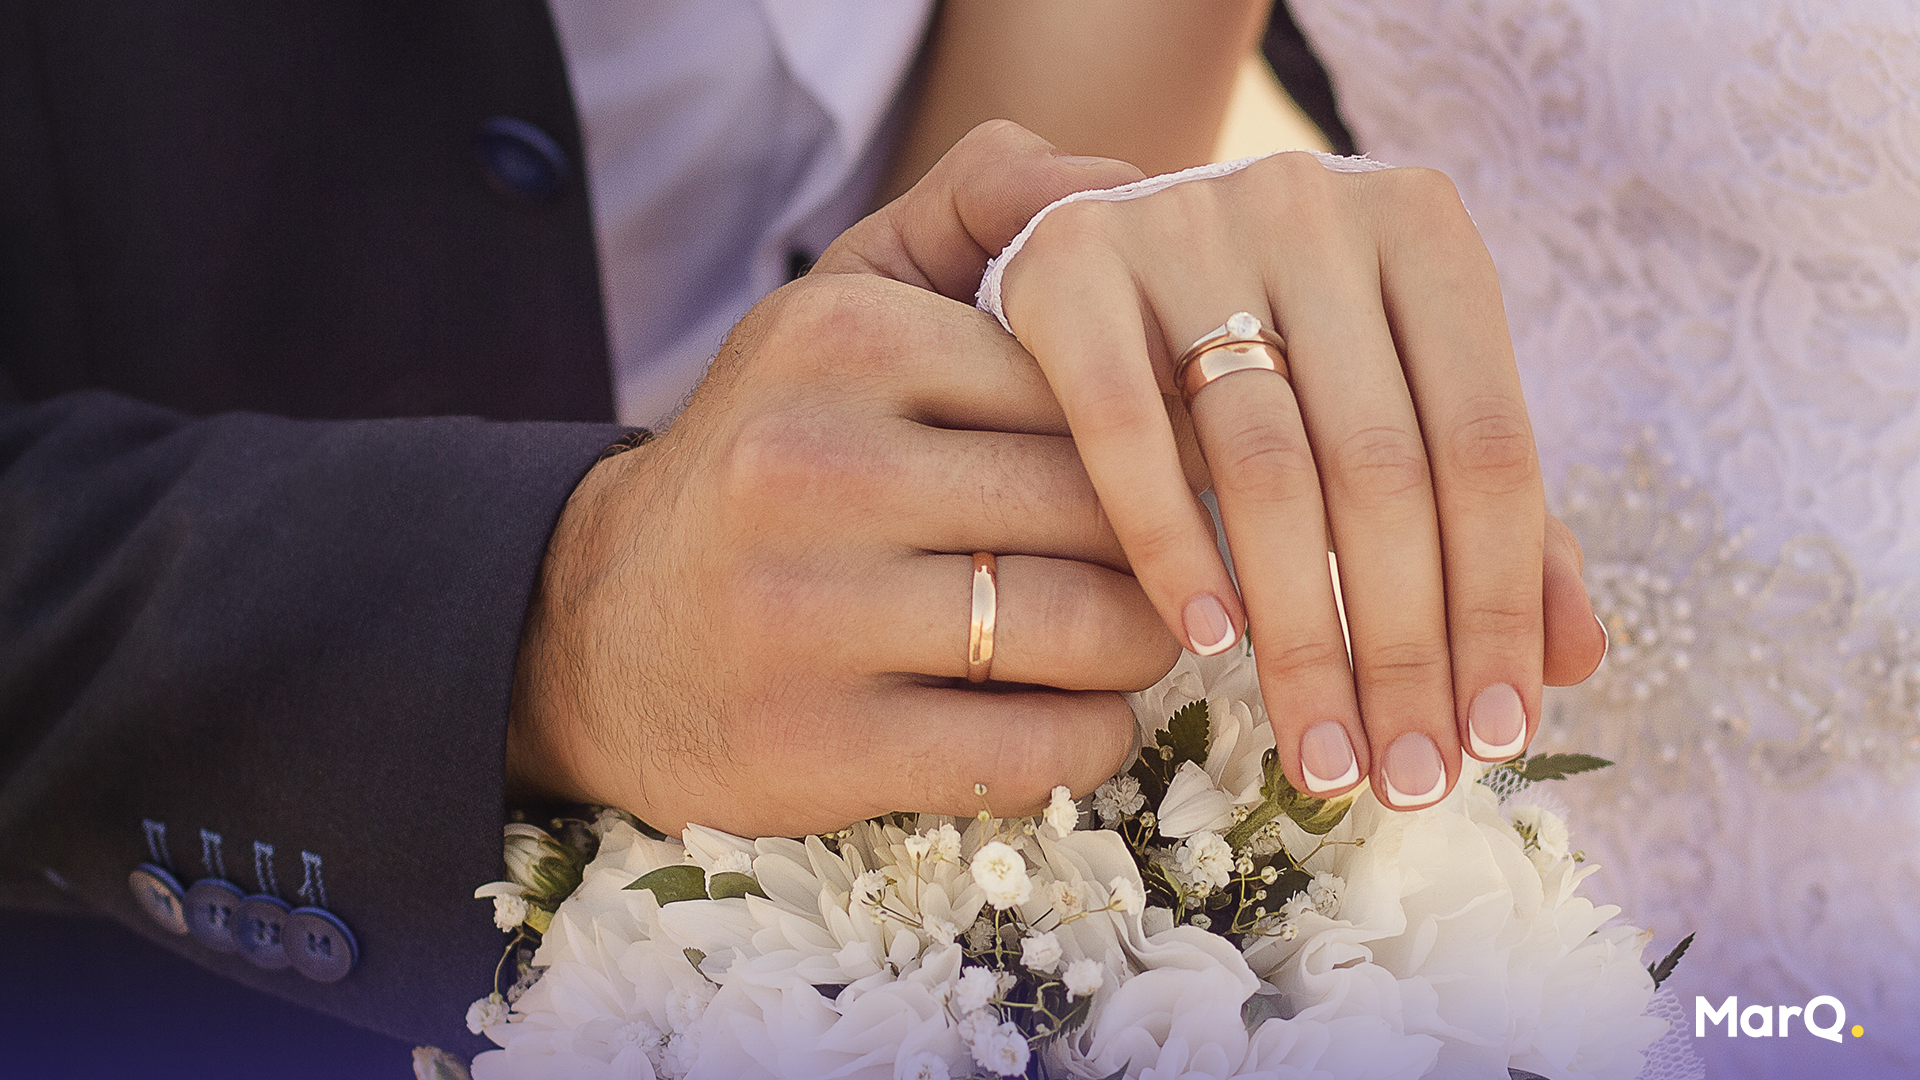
<point x="759" y="621"/>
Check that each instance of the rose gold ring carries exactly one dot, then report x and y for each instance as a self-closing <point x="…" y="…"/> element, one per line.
<point x="1239" y="344"/>
<point x="986" y="604"/>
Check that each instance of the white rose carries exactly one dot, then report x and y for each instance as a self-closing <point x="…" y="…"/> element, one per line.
<point x="1062" y="815"/>
<point x="1083" y="978"/>
<point x="1002" y="875"/>
<point x="1193" y="804"/>
<point x="1002" y="1050"/>
<point x="1204" y="862"/>
<point x="1040" y="952"/>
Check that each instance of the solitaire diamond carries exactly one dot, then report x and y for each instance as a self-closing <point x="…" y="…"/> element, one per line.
<point x="1242" y="324"/>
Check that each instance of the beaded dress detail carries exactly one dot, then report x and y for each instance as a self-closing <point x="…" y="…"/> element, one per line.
<point x="1706" y="217"/>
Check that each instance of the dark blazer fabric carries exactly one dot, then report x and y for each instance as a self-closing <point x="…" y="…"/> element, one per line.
<point x="301" y="353"/>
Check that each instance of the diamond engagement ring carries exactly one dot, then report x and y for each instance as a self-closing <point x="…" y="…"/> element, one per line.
<point x="1239" y="344"/>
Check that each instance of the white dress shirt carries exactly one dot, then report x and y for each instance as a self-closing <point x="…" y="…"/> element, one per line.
<point x="722" y="138"/>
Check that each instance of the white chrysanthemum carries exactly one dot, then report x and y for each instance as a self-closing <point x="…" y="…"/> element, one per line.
<point x="1002" y="1050"/>
<point x="1193" y="804"/>
<point x="1117" y="799"/>
<point x="486" y="1012"/>
<point x="974" y="990"/>
<point x="1002" y="875"/>
<point x="1204" y="863"/>
<point x="1040" y="952"/>
<point x="1083" y="978"/>
<point x="1062" y="816"/>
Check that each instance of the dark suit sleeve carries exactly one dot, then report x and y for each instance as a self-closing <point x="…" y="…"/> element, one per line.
<point x="280" y="652"/>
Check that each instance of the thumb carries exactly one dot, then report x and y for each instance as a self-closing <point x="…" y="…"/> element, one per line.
<point x="940" y="234"/>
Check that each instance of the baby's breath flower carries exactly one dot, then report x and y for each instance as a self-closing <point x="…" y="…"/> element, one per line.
<point x="1062" y="815"/>
<point x="1040" y="952"/>
<point x="486" y="1012"/>
<point x="733" y="862"/>
<point x="974" y="990"/>
<point x="925" y="1065"/>
<point x="946" y="843"/>
<point x="1323" y="892"/>
<point x="1001" y="874"/>
<point x="868" y="889"/>
<point x="1002" y="1051"/>
<point x="1083" y="978"/>
<point x="1204" y="862"/>
<point x="509" y="911"/>
<point x="1118" y="798"/>
<point x="1067" y="898"/>
<point x="1127" y="897"/>
<point x="1269" y="875"/>
<point x="918" y="846"/>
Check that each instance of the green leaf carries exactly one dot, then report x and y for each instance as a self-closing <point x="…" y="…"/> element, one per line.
<point x="694" y="957"/>
<point x="1316" y="816"/>
<point x="1665" y="967"/>
<point x="671" y="884"/>
<point x="1187" y="734"/>
<point x="1559" y="766"/>
<point x="728" y="886"/>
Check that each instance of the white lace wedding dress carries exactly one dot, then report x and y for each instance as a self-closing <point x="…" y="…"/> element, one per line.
<point x="1706" y="215"/>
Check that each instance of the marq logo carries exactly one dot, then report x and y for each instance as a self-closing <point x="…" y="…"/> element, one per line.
<point x="1757" y="1021"/>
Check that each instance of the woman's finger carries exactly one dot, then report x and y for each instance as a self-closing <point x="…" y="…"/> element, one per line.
<point x="1576" y="639"/>
<point x="1269" y="493"/>
<point x="1075" y="306"/>
<point x="1443" y="299"/>
<point x="1366" y="438"/>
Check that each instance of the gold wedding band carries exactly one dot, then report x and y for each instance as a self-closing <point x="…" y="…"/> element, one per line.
<point x="1239" y="344"/>
<point x="986" y="604"/>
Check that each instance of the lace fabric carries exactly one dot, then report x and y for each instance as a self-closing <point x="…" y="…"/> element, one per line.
<point x="1706" y="215"/>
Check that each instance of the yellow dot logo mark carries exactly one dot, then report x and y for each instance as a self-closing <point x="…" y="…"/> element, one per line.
<point x="1858" y="1031"/>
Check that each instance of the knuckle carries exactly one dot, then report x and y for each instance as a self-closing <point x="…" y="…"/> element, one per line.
<point x="1380" y="465"/>
<point x="1077" y="226"/>
<point x="1404" y="663"/>
<point x="1304" y="659"/>
<point x="1269" y="466"/>
<point x="1423" y="190"/>
<point x="1500" y="621"/>
<point x="1493" y="450"/>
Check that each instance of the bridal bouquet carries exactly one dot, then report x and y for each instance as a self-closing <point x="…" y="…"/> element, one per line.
<point x="1195" y="916"/>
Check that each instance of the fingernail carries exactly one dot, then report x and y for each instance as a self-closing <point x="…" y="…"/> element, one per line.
<point x="1326" y="758"/>
<point x="1606" y="641"/>
<point x="1209" y="631"/>
<point x="1415" y="774"/>
<point x="1496" y="723"/>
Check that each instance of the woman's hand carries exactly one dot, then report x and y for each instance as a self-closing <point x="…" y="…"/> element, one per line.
<point x="1400" y="441"/>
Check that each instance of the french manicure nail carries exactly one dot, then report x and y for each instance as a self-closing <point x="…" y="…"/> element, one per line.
<point x="1209" y="631"/>
<point x="1606" y="641"/>
<point x="1496" y="723"/>
<point x="1415" y="774"/>
<point x="1326" y="758"/>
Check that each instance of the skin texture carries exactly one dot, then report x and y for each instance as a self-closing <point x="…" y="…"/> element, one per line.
<point x="758" y="621"/>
